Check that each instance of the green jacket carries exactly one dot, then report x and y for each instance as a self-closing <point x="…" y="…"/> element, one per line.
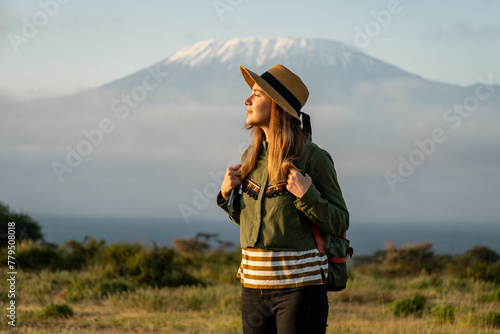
<point x="274" y="219"/>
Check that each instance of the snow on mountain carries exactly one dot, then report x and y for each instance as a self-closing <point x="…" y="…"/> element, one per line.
<point x="159" y="139"/>
<point x="257" y="52"/>
<point x="209" y="70"/>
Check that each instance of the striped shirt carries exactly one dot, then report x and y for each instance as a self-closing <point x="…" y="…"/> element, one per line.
<point x="266" y="269"/>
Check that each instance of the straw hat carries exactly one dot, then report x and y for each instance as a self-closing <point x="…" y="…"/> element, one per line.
<point x="283" y="86"/>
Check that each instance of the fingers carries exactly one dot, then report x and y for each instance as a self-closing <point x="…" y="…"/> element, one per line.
<point x="297" y="183"/>
<point x="232" y="179"/>
<point x="234" y="182"/>
<point x="234" y="171"/>
<point x="294" y="175"/>
<point x="235" y="167"/>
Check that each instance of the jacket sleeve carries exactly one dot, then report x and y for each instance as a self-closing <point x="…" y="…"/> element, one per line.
<point x="323" y="203"/>
<point x="222" y="203"/>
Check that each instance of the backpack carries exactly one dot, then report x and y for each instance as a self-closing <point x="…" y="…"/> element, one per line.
<point x="337" y="251"/>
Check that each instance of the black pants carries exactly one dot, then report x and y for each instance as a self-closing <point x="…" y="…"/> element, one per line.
<point x="302" y="310"/>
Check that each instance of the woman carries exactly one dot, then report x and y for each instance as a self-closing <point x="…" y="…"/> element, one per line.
<point x="288" y="184"/>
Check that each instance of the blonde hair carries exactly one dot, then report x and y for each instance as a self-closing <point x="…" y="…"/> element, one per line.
<point x="286" y="144"/>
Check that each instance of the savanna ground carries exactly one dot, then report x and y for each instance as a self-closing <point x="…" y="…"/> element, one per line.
<point x="91" y="287"/>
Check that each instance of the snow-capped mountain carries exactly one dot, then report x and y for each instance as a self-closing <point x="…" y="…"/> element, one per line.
<point x="158" y="140"/>
<point x="209" y="70"/>
<point x="259" y="53"/>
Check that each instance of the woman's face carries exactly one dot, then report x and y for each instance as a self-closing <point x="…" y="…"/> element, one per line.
<point x="259" y="106"/>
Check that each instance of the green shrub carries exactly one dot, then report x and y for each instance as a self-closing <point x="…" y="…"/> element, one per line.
<point x="116" y="257"/>
<point x="483" y="271"/>
<point x="420" y="284"/>
<point x="26" y="227"/>
<point x="493" y="319"/>
<point x="495" y="295"/>
<point x="217" y="268"/>
<point x="193" y="302"/>
<point x="409" y="259"/>
<point x="79" y="289"/>
<point x="444" y="312"/>
<point x="492" y="297"/>
<point x="408" y="305"/>
<point x="56" y="311"/>
<point x="155" y="267"/>
<point x="455" y="284"/>
<point x="113" y="286"/>
<point x="480" y="263"/>
<point x="76" y="255"/>
<point x="35" y="256"/>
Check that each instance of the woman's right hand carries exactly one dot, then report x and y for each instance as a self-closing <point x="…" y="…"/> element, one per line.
<point x="231" y="180"/>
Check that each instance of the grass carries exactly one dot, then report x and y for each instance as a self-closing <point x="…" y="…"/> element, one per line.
<point x="56" y="311"/>
<point x="93" y="304"/>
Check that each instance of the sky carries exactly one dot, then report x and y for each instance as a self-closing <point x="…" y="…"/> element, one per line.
<point x="58" y="47"/>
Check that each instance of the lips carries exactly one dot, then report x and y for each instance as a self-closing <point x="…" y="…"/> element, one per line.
<point x="249" y="112"/>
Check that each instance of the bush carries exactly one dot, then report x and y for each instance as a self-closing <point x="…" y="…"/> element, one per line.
<point x="480" y="254"/>
<point x="444" y="313"/>
<point x="480" y="263"/>
<point x="113" y="286"/>
<point x="80" y="289"/>
<point x="75" y="255"/>
<point x="409" y="259"/>
<point x="212" y="267"/>
<point x="189" y="246"/>
<point x="493" y="319"/>
<point x="493" y="297"/>
<point x="408" y="305"/>
<point x="26" y="227"/>
<point x="56" y="311"/>
<point x="155" y="267"/>
<point x="35" y="256"/>
<point x="116" y="257"/>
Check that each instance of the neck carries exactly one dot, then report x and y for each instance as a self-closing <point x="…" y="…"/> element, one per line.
<point x="266" y="133"/>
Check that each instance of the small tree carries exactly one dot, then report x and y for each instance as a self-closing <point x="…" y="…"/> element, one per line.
<point x="408" y="259"/>
<point x="188" y="246"/>
<point x="26" y="227"/>
<point x="480" y="262"/>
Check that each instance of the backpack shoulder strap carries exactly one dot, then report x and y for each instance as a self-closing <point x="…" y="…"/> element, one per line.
<point x="305" y="165"/>
<point x="317" y="233"/>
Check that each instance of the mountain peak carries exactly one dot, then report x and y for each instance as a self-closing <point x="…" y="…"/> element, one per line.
<point x="257" y="52"/>
<point x="321" y="64"/>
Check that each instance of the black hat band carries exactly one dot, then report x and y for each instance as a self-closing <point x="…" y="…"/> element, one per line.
<point x="282" y="90"/>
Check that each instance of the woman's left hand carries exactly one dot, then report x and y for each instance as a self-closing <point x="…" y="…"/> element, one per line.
<point x="297" y="183"/>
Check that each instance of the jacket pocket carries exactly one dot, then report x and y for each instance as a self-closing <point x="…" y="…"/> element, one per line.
<point x="282" y="227"/>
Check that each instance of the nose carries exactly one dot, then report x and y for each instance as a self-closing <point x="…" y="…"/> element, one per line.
<point x="247" y="101"/>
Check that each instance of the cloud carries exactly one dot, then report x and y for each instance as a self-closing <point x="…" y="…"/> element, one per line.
<point x="462" y="32"/>
<point x="161" y="157"/>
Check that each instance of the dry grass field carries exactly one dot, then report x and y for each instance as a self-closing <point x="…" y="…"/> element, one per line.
<point x="368" y="305"/>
